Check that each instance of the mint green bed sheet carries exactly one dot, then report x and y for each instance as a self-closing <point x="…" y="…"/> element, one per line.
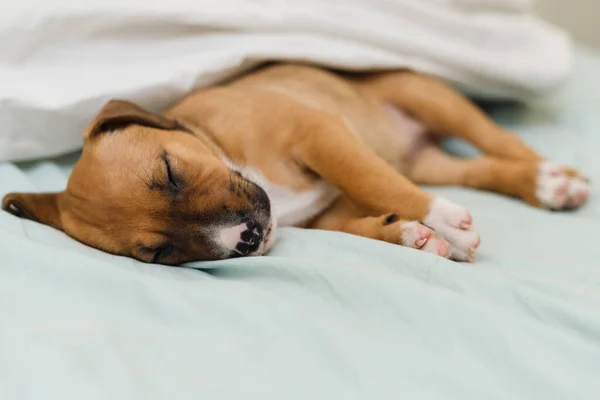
<point x="326" y="315"/>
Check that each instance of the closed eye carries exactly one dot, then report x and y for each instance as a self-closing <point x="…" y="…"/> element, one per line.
<point x="173" y="182"/>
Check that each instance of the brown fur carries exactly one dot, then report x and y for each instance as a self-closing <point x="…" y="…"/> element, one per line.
<point x="296" y="124"/>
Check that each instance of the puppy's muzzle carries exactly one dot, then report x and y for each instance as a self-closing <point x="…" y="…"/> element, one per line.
<point x="248" y="238"/>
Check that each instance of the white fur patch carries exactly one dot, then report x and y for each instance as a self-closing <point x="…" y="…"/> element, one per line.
<point x="289" y="207"/>
<point x="411" y="234"/>
<point x="552" y="186"/>
<point x="578" y="188"/>
<point x="419" y="236"/>
<point x="556" y="190"/>
<point x="231" y="236"/>
<point x="454" y="223"/>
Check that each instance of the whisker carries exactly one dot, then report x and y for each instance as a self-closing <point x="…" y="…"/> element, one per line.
<point x="147" y="181"/>
<point x="148" y="175"/>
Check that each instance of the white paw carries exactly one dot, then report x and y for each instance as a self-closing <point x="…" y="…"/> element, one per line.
<point x="558" y="189"/>
<point x="455" y="224"/>
<point x="420" y="237"/>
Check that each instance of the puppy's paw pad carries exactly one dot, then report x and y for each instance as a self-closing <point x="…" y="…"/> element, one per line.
<point x="415" y="234"/>
<point x="437" y="245"/>
<point x="455" y="224"/>
<point x="559" y="187"/>
<point x="419" y="236"/>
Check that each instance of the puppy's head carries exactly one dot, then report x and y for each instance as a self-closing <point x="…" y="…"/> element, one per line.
<point x="148" y="188"/>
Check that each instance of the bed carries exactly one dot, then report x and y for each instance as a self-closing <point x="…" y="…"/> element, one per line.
<point x="325" y="315"/>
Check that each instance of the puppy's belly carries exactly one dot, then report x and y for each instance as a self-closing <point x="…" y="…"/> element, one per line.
<point x="398" y="139"/>
<point x="290" y="207"/>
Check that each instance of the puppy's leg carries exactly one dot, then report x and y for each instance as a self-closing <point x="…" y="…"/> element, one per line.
<point x="540" y="187"/>
<point x="343" y="216"/>
<point x="328" y="148"/>
<point x="447" y="113"/>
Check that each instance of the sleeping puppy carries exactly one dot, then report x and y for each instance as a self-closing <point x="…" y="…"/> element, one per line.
<point x="291" y="145"/>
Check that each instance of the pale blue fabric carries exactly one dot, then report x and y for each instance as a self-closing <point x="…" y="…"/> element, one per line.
<point x="327" y="315"/>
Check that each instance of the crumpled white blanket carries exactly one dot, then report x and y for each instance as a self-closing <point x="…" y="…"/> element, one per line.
<point x="61" y="60"/>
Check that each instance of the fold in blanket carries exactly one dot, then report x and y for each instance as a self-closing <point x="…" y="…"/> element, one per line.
<point x="517" y="6"/>
<point x="61" y="61"/>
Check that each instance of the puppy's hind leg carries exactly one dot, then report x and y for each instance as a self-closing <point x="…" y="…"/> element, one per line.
<point x="522" y="179"/>
<point x="447" y="113"/>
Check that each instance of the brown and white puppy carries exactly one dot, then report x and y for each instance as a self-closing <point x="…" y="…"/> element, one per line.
<point x="294" y="145"/>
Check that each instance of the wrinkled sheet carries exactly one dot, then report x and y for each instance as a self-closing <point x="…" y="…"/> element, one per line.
<point x="61" y="60"/>
<point x="326" y="315"/>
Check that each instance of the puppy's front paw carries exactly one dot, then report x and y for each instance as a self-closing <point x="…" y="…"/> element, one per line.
<point x="455" y="224"/>
<point x="560" y="188"/>
<point x="420" y="237"/>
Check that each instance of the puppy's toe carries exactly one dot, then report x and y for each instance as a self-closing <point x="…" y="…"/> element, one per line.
<point x="455" y="224"/>
<point x="420" y="237"/>
<point x="559" y="188"/>
<point x="578" y="192"/>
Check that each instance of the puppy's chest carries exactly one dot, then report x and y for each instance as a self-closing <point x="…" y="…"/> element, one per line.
<point x="292" y="207"/>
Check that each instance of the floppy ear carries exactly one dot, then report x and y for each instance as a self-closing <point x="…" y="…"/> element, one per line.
<point x="39" y="207"/>
<point x="119" y="113"/>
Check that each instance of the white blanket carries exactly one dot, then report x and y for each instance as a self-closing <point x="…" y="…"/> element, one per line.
<point x="61" y="60"/>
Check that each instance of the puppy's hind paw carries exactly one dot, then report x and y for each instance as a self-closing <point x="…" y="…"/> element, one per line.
<point x="560" y="188"/>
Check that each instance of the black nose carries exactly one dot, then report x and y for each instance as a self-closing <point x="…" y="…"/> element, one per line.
<point x="250" y="238"/>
